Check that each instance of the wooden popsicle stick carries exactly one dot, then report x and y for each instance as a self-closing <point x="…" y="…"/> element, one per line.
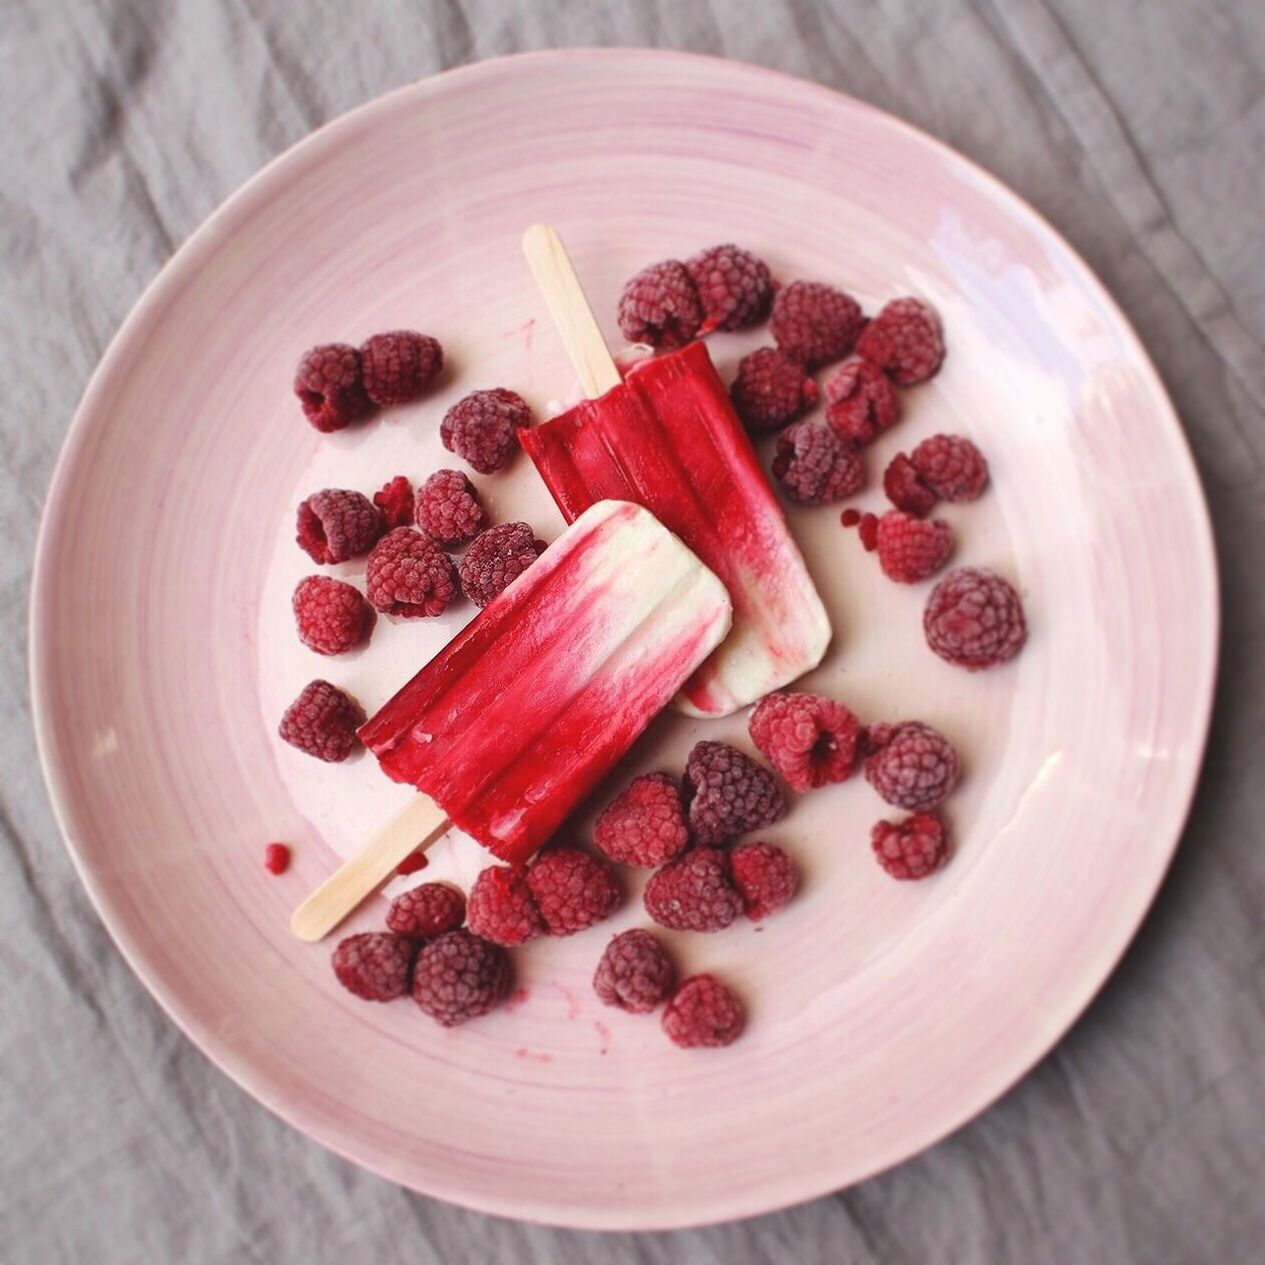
<point x="414" y="829"/>
<point x="564" y="296"/>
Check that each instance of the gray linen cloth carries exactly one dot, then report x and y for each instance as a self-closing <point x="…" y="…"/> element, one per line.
<point x="1138" y="127"/>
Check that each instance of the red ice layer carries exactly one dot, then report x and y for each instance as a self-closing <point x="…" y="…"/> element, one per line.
<point x="668" y="439"/>
<point x="522" y="713"/>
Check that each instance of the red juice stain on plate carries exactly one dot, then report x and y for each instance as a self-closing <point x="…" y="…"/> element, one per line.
<point x="604" y="1034"/>
<point x="573" y="1002"/>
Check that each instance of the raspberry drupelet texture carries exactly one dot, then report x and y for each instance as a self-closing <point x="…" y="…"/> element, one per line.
<point x="634" y="972"/>
<point x="905" y="489"/>
<point x="427" y="911"/>
<point x="913" y="848"/>
<point x="703" y="1014"/>
<point x="814" y="323"/>
<point x="734" y="287"/>
<point x="728" y="793"/>
<point x="329" y="386"/>
<point x="645" y="823"/>
<point x="951" y="466"/>
<point x="809" y="739"/>
<point x="974" y="619"/>
<point x="771" y="390"/>
<point x="336" y="524"/>
<point x="408" y="575"/>
<point x="332" y="617"/>
<point x="395" y="502"/>
<point x="905" y="339"/>
<point x="459" y="977"/>
<point x="398" y="366"/>
<point x="483" y="428"/>
<point x="661" y="306"/>
<point x="501" y="907"/>
<point x="815" y="465"/>
<point x="573" y="889"/>
<point x="277" y="858"/>
<point x="911" y="765"/>
<point x="375" y="965"/>
<point x="496" y="558"/>
<point x="861" y="402"/>
<point x="448" y="508"/>
<point x="322" y="722"/>
<point x="694" y="893"/>
<point x="912" y="549"/>
<point x="765" y="876"/>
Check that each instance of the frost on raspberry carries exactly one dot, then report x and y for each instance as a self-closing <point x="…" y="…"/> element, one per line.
<point x="727" y="793"/>
<point x="331" y="615"/>
<point x="448" y="508"/>
<point x="496" y="558"/>
<point x="814" y="323"/>
<point x="860" y="401"/>
<point x="765" y="877"/>
<point x="375" y="965"/>
<point x="809" y="739"/>
<point x="912" y="549"/>
<point x="395" y="501"/>
<point x="427" y="911"/>
<point x="322" y="722"/>
<point x="409" y="576"/>
<point x="911" y="765"/>
<point x="634" y="973"/>
<point x="483" y="428"/>
<point x="913" y="848"/>
<point x="501" y="907"/>
<point x="974" y="619"/>
<point x="905" y="489"/>
<point x="336" y="524"/>
<point x="694" y="893"/>
<point x="645" y="823"/>
<point x="771" y="390"/>
<point x="905" y="339"/>
<point x="459" y="977"/>
<point x="329" y="386"/>
<point x="815" y="465"/>
<point x="573" y="889"/>
<point x="398" y="366"/>
<point x="661" y="306"/>
<point x="734" y="287"/>
<point x="703" y="1014"/>
<point x="951" y="466"/>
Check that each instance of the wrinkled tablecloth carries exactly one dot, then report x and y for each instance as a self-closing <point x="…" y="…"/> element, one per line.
<point x="1138" y="128"/>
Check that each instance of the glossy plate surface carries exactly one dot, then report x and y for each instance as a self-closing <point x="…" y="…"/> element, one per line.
<point x="882" y="1015"/>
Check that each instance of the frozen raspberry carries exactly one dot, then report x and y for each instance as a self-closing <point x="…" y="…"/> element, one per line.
<point x="814" y="465"/>
<point x="911" y="765"/>
<point x="694" y="893"/>
<point x="427" y="911"/>
<point x="905" y="489"/>
<point x="814" y="323"/>
<point x="634" y="972"/>
<point x="728" y="793"/>
<point x="375" y="965"/>
<point x="771" y="390"/>
<point x="573" y="890"/>
<point x="660" y="306"/>
<point x="329" y="387"/>
<point x="765" y="876"/>
<point x="460" y="977"/>
<point x="408" y="575"/>
<point x="952" y="467"/>
<point x="912" y="549"/>
<point x="496" y="558"/>
<point x="860" y="401"/>
<point x="810" y="740"/>
<point x="411" y="864"/>
<point x="502" y="908"/>
<point x="395" y="501"/>
<point x="734" y="286"/>
<point x="335" y="524"/>
<point x="448" y="508"/>
<point x="703" y="1014"/>
<point x="905" y="339"/>
<point x="974" y="619"/>
<point x="913" y="848"/>
<point x="277" y="858"/>
<point x="483" y="428"/>
<point x="397" y="367"/>
<point x="323" y="721"/>
<point x="331" y="615"/>
<point x="867" y="529"/>
<point x="645" y="824"/>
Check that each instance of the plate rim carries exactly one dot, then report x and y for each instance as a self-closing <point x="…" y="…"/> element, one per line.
<point x="1093" y="975"/>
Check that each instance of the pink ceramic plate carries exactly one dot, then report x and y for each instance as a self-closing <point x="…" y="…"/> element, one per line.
<point x="882" y="1015"/>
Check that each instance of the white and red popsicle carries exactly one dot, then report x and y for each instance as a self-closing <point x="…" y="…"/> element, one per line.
<point x="512" y="724"/>
<point x="668" y="438"/>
